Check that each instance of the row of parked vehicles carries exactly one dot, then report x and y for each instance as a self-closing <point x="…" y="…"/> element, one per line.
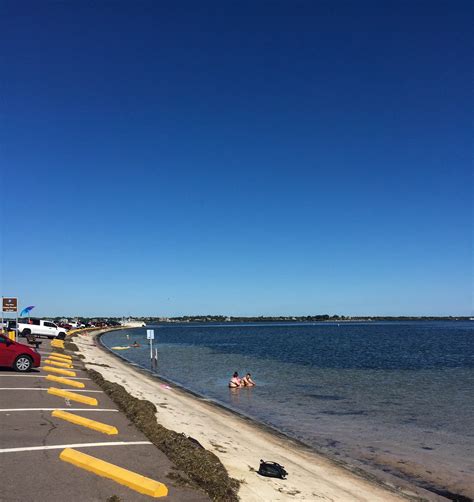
<point x="23" y="357"/>
<point x="20" y="356"/>
<point x="37" y="327"/>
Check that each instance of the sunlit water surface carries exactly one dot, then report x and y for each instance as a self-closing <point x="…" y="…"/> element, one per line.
<point x="396" y="394"/>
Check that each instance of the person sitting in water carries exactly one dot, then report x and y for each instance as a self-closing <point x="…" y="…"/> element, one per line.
<point x="235" y="381"/>
<point x="247" y="381"/>
<point x="135" y="344"/>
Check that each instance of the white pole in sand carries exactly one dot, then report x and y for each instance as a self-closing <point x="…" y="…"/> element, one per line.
<point x="150" y="334"/>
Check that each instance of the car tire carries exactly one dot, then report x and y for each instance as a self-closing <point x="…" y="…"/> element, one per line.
<point x="25" y="332"/>
<point x="61" y="336"/>
<point x="23" y="363"/>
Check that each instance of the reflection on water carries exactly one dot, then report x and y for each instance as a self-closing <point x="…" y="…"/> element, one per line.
<point x="239" y="397"/>
<point x="356" y="389"/>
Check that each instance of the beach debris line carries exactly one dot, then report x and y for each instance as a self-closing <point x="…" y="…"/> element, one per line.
<point x="202" y="466"/>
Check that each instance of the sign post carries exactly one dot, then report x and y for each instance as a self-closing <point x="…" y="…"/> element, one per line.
<point x="150" y="334"/>
<point x="10" y="305"/>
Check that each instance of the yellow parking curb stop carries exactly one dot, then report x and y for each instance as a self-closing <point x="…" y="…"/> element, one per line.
<point x="85" y="422"/>
<point x="59" y="371"/>
<point x="73" y="396"/>
<point x="60" y="354"/>
<point x="122" y="476"/>
<point x="66" y="381"/>
<point x="57" y="363"/>
<point x="60" y="358"/>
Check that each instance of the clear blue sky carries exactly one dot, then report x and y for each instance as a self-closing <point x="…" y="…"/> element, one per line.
<point x="237" y="157"/>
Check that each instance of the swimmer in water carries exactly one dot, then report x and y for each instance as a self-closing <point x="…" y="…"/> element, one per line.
<point x="235" y="381"/>
<point x="247" y="381"/>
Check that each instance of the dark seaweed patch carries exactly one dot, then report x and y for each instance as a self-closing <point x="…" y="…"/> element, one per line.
<point x="325" y="397"/>
<point x="343" y="413"/>
<point x="202" y="466"/>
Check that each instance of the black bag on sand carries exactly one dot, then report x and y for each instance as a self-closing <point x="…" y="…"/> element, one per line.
<point x="272" y="470"/>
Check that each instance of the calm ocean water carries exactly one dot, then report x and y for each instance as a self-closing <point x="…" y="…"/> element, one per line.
<point x="397" y="395"/>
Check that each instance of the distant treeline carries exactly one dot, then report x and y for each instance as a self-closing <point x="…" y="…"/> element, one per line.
<point x="308" y="318"/>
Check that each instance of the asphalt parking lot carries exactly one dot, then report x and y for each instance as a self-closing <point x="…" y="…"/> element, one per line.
<point x="31" y="441"/>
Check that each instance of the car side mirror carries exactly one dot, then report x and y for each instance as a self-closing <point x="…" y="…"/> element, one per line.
<point x="8" y="342"/>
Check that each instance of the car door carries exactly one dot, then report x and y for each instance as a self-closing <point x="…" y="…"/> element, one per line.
<point x="7" y="352"/>
<point x="42" y="329"/>
<point x="50" y="328"/>
<point x="35" y="326"/>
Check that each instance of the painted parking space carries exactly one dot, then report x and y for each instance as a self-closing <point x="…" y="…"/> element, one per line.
<point x="4" y="374"/>
<point x="61" y="481"/>
<point x="62" y="380"/>
<point x="32" y="439"/>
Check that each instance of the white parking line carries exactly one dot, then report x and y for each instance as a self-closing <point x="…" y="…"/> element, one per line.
<point x="52" y="409"/>
<point x="41" y="376"/>
<point x="78" y="445"/>
<point x="46" y="388"/>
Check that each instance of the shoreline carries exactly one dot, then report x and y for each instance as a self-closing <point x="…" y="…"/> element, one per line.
<point x="409" y="465"/>
<point x="402" y="484"/>
<point x="212" y="402"/>
<point x="312" y="474"/>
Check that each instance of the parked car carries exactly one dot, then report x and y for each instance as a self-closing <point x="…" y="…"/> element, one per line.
<point x="40" y="327"/>
<point x="8" y="325"/>
<point x="17" y="355"/>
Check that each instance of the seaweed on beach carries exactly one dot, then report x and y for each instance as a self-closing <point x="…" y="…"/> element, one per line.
<point x="202" y="466"/>
<point x="68" y="345"/>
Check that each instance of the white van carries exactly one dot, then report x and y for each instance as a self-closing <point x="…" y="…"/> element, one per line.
<point x="40" y="327"/>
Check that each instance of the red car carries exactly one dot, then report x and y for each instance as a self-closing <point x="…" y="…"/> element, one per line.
<point x="17" y="355"/>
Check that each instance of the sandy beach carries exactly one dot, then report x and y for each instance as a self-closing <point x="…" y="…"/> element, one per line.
<point x="239" y="443"/>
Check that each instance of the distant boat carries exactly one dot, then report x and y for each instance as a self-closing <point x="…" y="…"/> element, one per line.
<point x="132" y="323"/>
